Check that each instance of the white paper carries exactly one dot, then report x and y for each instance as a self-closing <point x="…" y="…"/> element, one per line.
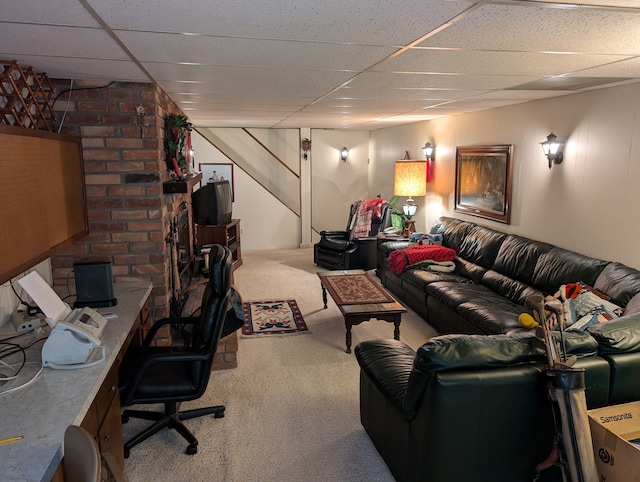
<point x="44" y="296"/>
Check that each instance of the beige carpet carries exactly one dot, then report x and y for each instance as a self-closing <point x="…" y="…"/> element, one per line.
<point x="291" y="404"/>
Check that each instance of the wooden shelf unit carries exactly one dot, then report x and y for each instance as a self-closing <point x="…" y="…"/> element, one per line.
<point x="224" y="234"/>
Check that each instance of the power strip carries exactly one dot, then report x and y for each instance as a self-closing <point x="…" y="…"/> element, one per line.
<point x="23" y="322"/>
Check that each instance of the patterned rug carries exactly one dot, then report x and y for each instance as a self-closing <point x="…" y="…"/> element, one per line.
<point x="277" y="317"/>
<point x="355" y="289"/>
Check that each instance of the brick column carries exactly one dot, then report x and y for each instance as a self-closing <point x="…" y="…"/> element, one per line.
<point x="124" y="169"/>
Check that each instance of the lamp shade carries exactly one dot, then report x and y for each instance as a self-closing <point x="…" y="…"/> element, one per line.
<point x="410" y="178"/>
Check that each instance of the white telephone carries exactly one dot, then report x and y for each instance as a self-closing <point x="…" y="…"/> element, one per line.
<point x="73" y="340"/>
<point x="75" y="333"/>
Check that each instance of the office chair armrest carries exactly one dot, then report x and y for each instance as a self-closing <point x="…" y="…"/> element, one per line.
<point x="167" y="321"/>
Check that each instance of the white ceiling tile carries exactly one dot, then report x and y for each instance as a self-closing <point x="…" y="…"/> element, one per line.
<point x="354" y="21"/>
<point x="52" y="12"/>
<point x="69" y="68"/>
<point x="207" y="50"/>
<point x="54" y="40"/>
<point x="480" y="62"/>
<point x="438" y="81"/>
<point x="537" y="28"/>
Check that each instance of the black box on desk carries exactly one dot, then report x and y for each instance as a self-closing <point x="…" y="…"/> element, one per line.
<point x="94" y="285"/>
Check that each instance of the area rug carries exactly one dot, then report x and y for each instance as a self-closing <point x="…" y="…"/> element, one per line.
<point x="278" y="317"/>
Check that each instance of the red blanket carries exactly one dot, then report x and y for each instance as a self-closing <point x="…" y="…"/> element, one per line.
<point x="401" y="258"/>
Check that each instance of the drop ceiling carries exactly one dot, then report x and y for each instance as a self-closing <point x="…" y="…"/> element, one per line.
<point x="351" y="64"/>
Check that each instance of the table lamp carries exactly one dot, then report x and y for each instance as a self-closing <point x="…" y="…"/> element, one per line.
<point x="410" y="180"/>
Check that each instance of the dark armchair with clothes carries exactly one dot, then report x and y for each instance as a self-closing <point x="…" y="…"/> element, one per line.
<point x="356" y="246"/>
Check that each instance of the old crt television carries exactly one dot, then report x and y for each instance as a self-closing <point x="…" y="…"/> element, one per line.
<point x="212" y="203"/>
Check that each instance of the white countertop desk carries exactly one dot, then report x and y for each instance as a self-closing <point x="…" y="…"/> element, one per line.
<point x="58" y="398"/>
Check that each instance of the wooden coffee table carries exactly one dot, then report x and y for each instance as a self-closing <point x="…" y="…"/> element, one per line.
<point x="360" y="298"/>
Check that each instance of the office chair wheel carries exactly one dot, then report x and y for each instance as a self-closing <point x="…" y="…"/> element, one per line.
<point x="127" y="452"/>
<point x="218" y="415"/>
<point x="192" y="449"/>
<point x="124" y="418"/>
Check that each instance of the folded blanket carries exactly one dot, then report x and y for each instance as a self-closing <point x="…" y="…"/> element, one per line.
<point x="368" y="210"/>
<point x="430" y="265"/>
<point x="401" y="258"/>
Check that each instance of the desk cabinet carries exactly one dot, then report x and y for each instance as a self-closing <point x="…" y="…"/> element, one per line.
<point x="103" y="418"/>
<point x="225" y="234"/>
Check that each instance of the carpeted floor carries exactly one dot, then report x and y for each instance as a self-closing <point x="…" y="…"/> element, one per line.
<point x="291" y="404"/>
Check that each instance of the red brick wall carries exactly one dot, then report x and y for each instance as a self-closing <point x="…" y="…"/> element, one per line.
<point x="124" y="169"/>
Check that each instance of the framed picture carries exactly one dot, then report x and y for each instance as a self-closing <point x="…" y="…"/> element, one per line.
<point x="483" y="181"/>
<point x="217" y="172"/>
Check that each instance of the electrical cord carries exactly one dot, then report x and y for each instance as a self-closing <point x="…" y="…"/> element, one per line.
<point x="11" y="349"/>
<point x="70" y="90"/>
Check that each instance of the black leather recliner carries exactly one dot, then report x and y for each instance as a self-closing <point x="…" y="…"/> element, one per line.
<point x="339" y="250"/>
<point x="467" y="407"/>
<point x="173" y="374"/>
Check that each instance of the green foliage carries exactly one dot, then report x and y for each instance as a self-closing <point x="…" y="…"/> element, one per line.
<point x="398" y="218"/>
<point x="177" y="129"/>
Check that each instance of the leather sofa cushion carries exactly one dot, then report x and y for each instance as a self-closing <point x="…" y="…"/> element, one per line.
<point x="469" y="270"/>
<point x="517" y="257"/>
<point x="492" y="314"/>
<point x="620" y="282"/>
<point x="455" y="352"/>
<point x="513" y="289"/>
<point x="421" y="278"/>
<point x="559" y="266"/>
<point x="633" y="306"/>
<point x="453" y="294"/>
<point x="621" y="335"/>
<point x="481" y="245"/>
<point x="453" y="231"/>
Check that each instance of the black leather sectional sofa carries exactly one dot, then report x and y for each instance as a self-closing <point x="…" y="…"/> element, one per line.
<point x="472" y="404"/>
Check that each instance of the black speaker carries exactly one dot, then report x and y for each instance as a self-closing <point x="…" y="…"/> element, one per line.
<point x="94" y="285"/>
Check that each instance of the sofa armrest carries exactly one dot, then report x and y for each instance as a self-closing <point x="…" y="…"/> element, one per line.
<point x="621" y="335"/>
<point x="388" y="364"/>
<point x="334" y="234"/>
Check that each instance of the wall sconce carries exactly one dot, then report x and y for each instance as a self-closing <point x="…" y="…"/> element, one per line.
<point x="410" y="180"/>
<point x="552" y="148"/>
<point x="427" y="150"/>
<point x="306" y="147"/>
<point x="344" y="153"/>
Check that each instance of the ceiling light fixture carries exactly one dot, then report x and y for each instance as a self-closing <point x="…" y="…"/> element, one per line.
<point x="344" y="153"/>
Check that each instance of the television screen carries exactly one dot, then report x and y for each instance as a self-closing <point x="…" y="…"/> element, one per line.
<point x="212" y="203"/>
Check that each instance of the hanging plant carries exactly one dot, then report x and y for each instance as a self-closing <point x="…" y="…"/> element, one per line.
<point x="177" y="139"/>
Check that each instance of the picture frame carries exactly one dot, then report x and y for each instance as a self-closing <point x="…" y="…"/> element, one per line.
<point x="484" y="181"/>
<point x="218" y="171"/>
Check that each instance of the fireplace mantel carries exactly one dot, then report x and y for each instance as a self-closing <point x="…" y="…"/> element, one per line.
<point x="182" y="185"/>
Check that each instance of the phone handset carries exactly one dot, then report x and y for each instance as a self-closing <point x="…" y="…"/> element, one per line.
<point x="86" y="322"/>
<point x="78" y="331"/>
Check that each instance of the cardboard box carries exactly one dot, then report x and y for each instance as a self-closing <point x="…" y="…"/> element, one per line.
<point x="612" y="429"/>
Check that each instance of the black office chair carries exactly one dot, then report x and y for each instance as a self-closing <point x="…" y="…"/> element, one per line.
<point x="342" y="250"/>
<point x="174" y="374"/>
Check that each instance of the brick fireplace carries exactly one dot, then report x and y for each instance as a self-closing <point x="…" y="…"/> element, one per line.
<point x="124" y="160"/>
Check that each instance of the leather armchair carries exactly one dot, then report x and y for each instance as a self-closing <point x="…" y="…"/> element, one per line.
<point x="174" y="374"/>
<point x="467" y="407"/>
<point x="346" y="250"/>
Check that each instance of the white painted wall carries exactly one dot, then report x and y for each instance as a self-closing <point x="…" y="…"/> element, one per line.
<point x="336" y="184"/>
<point x="265" y="222"/>
<point x="588" y="204"/>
